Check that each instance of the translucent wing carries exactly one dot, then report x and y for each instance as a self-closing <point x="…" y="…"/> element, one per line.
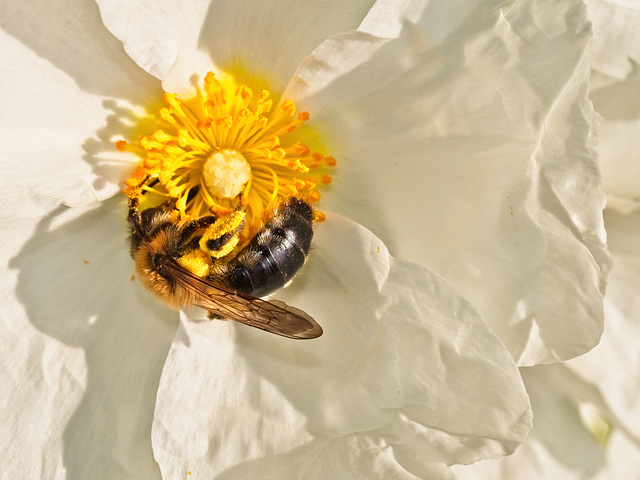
<point x="273" y="316"/>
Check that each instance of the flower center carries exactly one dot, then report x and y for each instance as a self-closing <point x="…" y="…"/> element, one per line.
<point x="226" y="173"/>
<point x="223" y="149"/>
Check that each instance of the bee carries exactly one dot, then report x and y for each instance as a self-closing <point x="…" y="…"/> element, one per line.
<point x="162" y="247"/>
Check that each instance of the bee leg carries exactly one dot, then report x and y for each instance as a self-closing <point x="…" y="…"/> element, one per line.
<point x="205" y="221"/>
<point x="221" y="237"/>
<point x="186" y="240"/>
<point x="133" y="205"/>
<point x="193" y="225"/>
<point x="134" y="215"/>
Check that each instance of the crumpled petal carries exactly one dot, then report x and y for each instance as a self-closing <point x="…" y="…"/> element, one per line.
<point x="82" y="350"/>
<point x="472" y="152"/>
<point x="405" y="370"/>
<point x="175" y="41"/>
<point x="42" y="379"/>
<point x="616" y="51"/>
<point x="614" y="365"/>
<point x="607" y="377"/>
<point x="618" y="102"/>
<point x="535" y="460"/>
<point x="559" y="445"/>
<point x="615" y="92"/>
<point x="62" y="78"/>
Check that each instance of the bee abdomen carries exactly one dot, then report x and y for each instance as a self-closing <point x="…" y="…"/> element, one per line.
<point x="275" y="254"/>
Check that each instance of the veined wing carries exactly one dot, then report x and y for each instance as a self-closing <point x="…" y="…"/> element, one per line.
<point x="272" y="316"/>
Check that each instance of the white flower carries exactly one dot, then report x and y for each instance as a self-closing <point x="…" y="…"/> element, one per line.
<point x="411" y="103"/>
<point x="463" y="142"/>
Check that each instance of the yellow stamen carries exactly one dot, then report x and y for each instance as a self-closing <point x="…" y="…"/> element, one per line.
<point x="318" y="216"/>
<point x="226" y="148"/>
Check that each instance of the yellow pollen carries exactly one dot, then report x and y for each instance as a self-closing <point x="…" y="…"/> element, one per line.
<point x="225" y="149"/>
<point x="318" y="216"/>
<point x="300" y="149"/>
<point x="222" y="237"/>
<point x="288" y="107"/>
<point x="197" y="262"/>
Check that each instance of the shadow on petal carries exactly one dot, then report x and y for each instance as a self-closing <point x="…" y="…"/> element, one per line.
<point x="111" y="166"/>
<point x="371" y="457"/>
<point x="75" y="283"/>
<point x="275" y="36"/>
<point x="619" y="101"/>
<point x="555" y="394"/>
<point x="71" y="36"/>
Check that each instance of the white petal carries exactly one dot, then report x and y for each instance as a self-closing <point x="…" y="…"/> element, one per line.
<point x="616" y="50"/>
<point x="614" y="365"/>
<point x="474" y="156"/>
<point x="173" y="41"/>
<point x="608" y="377"/>
<point x="615" y="92"/>
<point x="438" y="18"/>
<point x="43" y="379"/>
<point x="404" y="372"/>
<point x="82" y="348"/>
<point x="155" y="34"/>
<point x="618" y="101"/>
<point x="61" y="75"/>
<point x="623" y="458"/>
<point x="559" y="445"/>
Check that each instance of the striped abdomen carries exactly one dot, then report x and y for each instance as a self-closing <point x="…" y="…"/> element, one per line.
<point x="274" y="255"/>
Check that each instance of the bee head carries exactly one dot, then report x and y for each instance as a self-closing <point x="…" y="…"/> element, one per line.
<point x="156" y="261"/>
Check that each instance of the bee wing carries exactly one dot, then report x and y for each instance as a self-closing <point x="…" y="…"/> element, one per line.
<point x="272" y="316"/>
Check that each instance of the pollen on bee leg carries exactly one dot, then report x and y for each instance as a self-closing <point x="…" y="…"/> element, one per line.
<point x="197" y="262"/>
<point x="222" y="237"/>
